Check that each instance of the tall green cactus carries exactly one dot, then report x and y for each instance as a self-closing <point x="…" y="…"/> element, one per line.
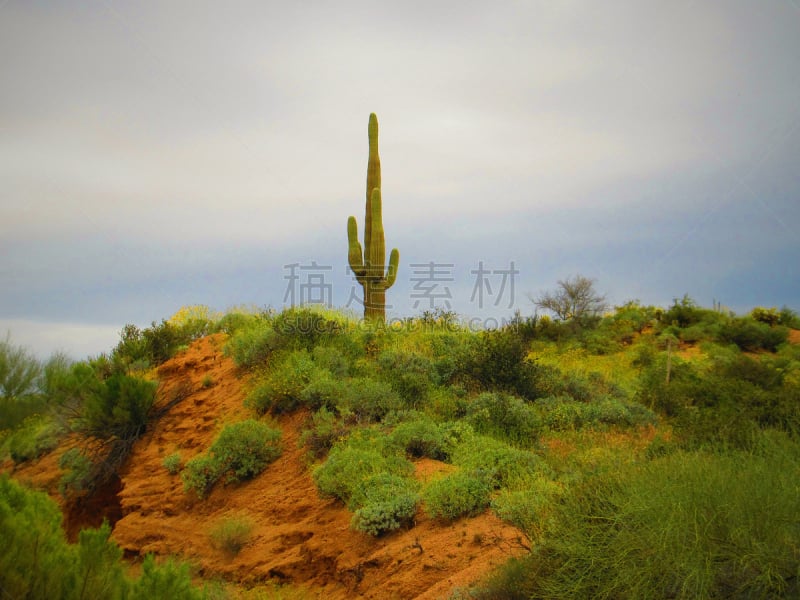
<point x="369" y="263"/>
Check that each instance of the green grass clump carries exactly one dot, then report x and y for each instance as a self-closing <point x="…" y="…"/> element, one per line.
<point x="172" y="463"/>
<point x="230" y="534"/>
<point x="688" y="525"/>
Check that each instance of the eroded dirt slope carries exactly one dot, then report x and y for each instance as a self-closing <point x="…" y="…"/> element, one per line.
<point x="298" y="536"/>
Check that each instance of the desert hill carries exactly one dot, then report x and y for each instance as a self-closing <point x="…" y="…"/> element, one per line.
<point x="298" y="538"/>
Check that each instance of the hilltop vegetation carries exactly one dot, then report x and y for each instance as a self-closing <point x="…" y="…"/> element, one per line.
<point x="650" y="452"/>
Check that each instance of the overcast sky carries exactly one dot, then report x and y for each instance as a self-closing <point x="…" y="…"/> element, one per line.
<point x="156" y="154"/>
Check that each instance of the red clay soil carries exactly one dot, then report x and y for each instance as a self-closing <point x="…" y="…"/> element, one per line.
<point x="298" y="537"/>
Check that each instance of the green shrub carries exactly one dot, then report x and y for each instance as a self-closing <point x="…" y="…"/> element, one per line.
<point x="385" y="502"/>
<point x="421" y="437"/>
<point x="497" y="360"/>
<point x="369" y="399"/>
<point x="200" y="474"/>
<point x="37" y="562"/>
<point x="172" y="463"/>
<point x="362" y="455"/>
<point x="560" y="414"/>
<point x="456" y="495"/>
<point x="36" y="436"/>
<point x="250" y="346"/>
<point x="244" y="449"/>
<point x="231" y="534"/>
<point x="78" y="472"/>
<point x="34" y="557"/>
<point x="280" y="389"/>
<point x="326" y="429"/>
<point x="19" y="372"/>
<point x="770" y="316"/>
<point x="410" y="374"/>
<point x="241" y="451"/>
<point x="170" y="580"/>
<point x="332" y="359"/>
<point x="98" y="564"/>
<point x="324" y="390"/>
<point x="752" y="335"/>
<point x="118" y="407"/>
<point x="505" y="417"/>
<point x="156" y="344"/>
<point x="496" y="463"/>
<point x="305" y="328"/>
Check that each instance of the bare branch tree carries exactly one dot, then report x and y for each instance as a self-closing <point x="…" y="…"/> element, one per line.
<point x="575" y="298"/>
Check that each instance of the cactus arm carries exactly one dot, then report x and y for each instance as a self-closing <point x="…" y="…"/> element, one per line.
<point x="355" y="252"/>
<point x="391" y="273"/>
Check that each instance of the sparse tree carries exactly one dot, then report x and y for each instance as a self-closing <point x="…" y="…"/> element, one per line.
<point x="575" y="299"/>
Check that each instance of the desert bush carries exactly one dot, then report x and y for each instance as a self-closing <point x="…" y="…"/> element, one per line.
<point x="200" y="474"/>
<point x="251" y="345"/>
<point x="305" y="328"/>
<point x="98" y="565"/>
<point x="324" y="431"/>
<point x="411" y="375"/>
<point x="36" y="436"/>
<point x="241" y="451"/>
<point x="78" y="471"/>
<point x="683" y="312"/>
<point x="324" y="390"/>
<point x="34" y="557"/>
<point x="421" y="437"/>
<point x="369" y="399"/>
<point x="505" y="417"/>
<point x="37" y="562"/>
<point x="563" y="413"/>
<point x="770" y="316"/>
<point x="384" y="502"/>
<point x="351" y="461"/>
<point x="332" y="359"/>
<point x="456" y="495"/>
<point x="172" y="463"/>
<point x="230" y="534"/>
<point x="170" y="580"/>
<point x="497" y="360"/>
<point x="156" y="344"/>
<point x="244" y="449"/>
<point x="280" y="388"/>
<point x="688" y="525"/>
<point x="496" y="463"/>
<point x="752" y="335"/>
<point x="119" y="408"/>
<point x="19" y="371"/>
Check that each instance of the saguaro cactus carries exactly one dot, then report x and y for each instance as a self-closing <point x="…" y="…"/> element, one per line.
<point x="369" y="263"/>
